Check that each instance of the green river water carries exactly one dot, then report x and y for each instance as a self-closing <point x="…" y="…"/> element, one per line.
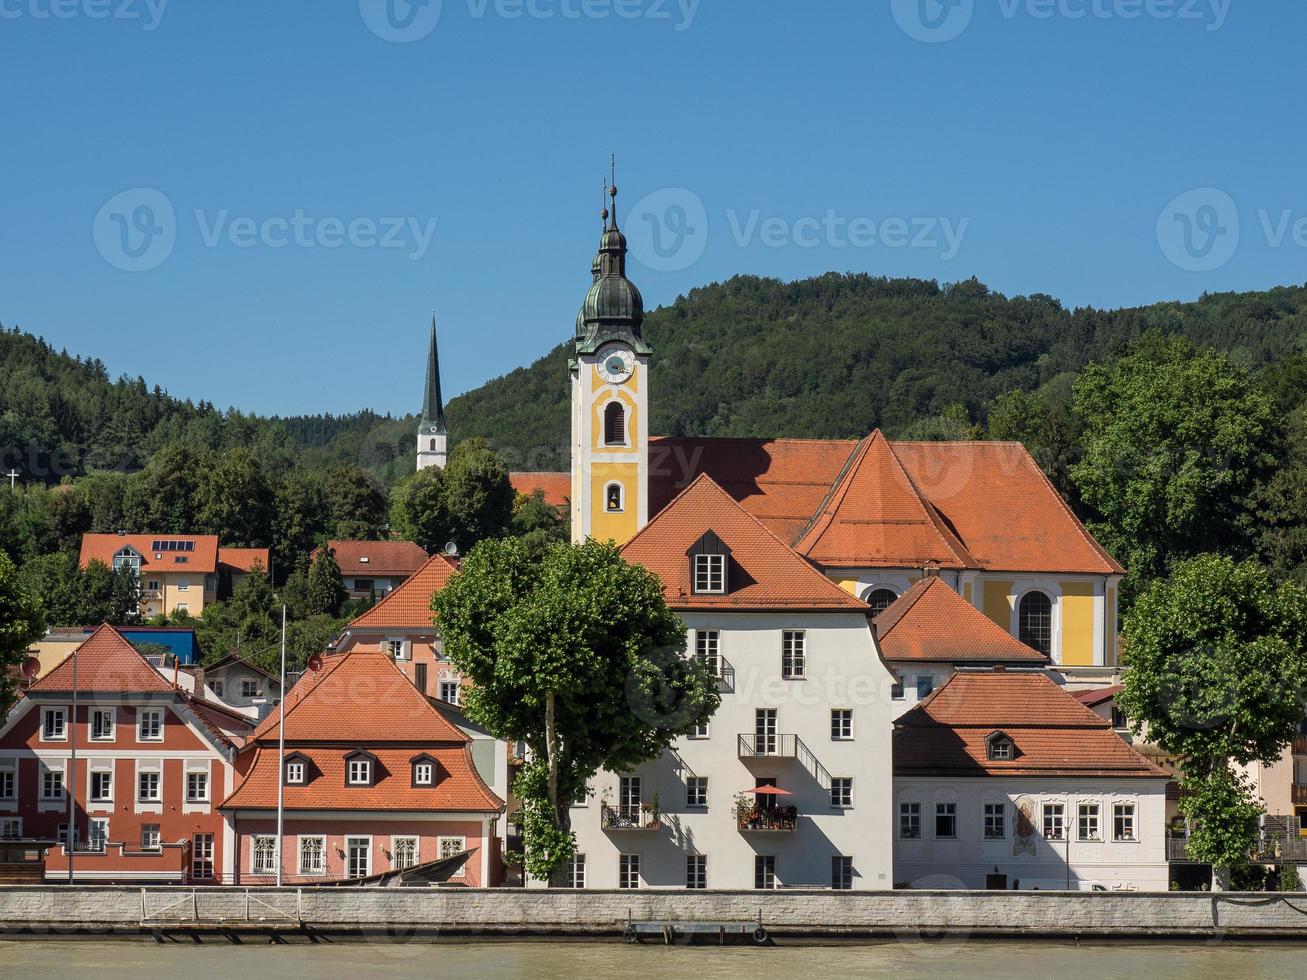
<point x="40" y="960"/>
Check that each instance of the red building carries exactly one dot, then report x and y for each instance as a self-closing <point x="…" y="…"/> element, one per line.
<point x="146" y="764"/>
<point x="376" y="779"/>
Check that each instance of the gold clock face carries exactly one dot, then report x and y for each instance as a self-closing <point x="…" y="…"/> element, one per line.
<point x="616" y="364"/>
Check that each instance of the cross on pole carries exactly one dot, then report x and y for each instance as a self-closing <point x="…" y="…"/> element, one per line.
<point x="13" y="475"/>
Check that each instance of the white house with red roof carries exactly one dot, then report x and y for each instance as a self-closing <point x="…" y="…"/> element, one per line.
<point x="1003" y="780"/>
<point x="788" y="783"/>
<point x="377" y="779"/>
<point x="152" y="763"/>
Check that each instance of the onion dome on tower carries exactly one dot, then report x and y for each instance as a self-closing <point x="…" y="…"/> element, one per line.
<point x="613" y="309"/>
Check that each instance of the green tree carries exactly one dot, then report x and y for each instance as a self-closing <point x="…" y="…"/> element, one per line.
<point x="1216" y="664"/>
<point x="576" y="654"/>
<point x="299" y="521"/>
<point x="1175" y="441"/>
<point x="234" y="501"/>
<point x="537" y="522"/>
<point x="477" y="493"/>
<point x="21" y="623"/>
<point x="418" y="511"/>
<point x="1044" y="421"/>
<point x="356" y="504"/>
<point x="55" y="582"/>
<point x="257" y="612"/>
<point x="170" y="484"/>
<point x="326" y="587"/>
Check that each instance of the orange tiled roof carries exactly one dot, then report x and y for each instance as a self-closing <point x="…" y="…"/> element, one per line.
<point x="384" y="558"/>
<point x="244" y="559"/>
<point x="359" y="698"/>
<point x="1054" y="734"/>
<point x="989" y="499"/>
<point x="106" y="663"/>
<point x="931" y="622"/>
<point x="764" y="573"/>
<point x="203" y="557"/>
<point x="1095" y="697"/>
<point x="557" y="487"/>
<point x="458" y="785"/>
<point x="875" y="516"/>
<point x="408" y="606"/>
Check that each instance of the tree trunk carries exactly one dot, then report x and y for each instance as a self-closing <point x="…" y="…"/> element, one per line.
<point x="551" y="744"/>
<point x="1220" y="879"/>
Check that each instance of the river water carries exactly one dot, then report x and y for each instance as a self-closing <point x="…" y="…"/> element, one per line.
<point x="39" y="960"/>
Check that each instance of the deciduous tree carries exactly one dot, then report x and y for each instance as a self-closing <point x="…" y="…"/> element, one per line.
<point x="21" y="623"/>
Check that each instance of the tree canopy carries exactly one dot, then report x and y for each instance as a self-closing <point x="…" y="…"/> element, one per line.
<point x="21" y="623"/>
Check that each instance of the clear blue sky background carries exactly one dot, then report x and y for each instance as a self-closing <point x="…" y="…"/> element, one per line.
<point x="1059" y="140"/>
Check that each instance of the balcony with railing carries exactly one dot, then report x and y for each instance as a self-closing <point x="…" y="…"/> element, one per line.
<point x="784" y="747"/>
<point x="768" y="820"/>
<point x="641" y="817"/>
<point x="96" y="861"/>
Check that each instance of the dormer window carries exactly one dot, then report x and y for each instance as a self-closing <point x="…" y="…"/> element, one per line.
<point x="1000" y="748"/>
<point x="709" y="559"/>
<point x="297" y="770"/>
<point x="424" y="770"/>
<point x="360" y="769"/>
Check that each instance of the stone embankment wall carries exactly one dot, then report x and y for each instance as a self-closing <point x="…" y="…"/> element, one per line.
<point x="407" y="912"/>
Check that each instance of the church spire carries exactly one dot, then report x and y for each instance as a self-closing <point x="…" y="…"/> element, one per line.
<point x="433" y="407"/>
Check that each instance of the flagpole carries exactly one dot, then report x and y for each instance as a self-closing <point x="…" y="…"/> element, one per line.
<point x="70" y="778"/>
<point x="281" y="748"/>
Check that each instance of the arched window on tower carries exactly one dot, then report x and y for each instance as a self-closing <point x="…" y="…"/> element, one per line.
<point x="613" y="501"/>
<point x="880" y="600"/>
<point x="1035" y="622"/>
<point x="614" y="424"/>
<point x="433" y="445"/>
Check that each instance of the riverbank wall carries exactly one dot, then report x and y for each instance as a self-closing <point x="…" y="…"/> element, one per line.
<point x="406" y="913"/>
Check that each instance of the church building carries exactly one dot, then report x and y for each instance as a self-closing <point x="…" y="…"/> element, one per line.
<point x="433" y="437"/>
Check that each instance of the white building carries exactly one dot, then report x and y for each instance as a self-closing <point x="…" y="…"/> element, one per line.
<point x="805" y="718"/>
<point x="1002" y="780"/>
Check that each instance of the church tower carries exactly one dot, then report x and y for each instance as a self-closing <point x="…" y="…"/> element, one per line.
<point x="433" y="440"/>
<point x="610" y="400"/>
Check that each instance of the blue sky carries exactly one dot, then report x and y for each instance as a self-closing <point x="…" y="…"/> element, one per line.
<point x="236" y="200"/>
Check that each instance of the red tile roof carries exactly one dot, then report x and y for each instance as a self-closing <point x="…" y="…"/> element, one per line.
<point x="380" y="558"/>
<point x="764" y="573"/>
<point x="105" y="663"/>
<point x="1054" y="734"/>
<point x="1097" y="696"/>
<point x="408" y="606"/>
<point x="557" y="487"/>
<point x="358" y="698"/>
<point x="931" y="622"/>
<point x="244" y="559"/>
<point x="875" y="516"/>
<point x="203" y="557"/>
<point x="458" y="786"/>
<point x="988" y="498"/>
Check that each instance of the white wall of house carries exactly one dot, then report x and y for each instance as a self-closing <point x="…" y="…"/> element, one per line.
<point x="966" y="860"/>
<point x="919" y="681"/>
<point x="843" y="671"/>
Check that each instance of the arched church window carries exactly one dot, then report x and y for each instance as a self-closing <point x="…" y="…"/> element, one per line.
<point x="1035" y="622"/>
<point x="880" y="600"/>
<point x="614" y="424"/>
<point x="433" y="445"/>
<point x="613" y="498"/>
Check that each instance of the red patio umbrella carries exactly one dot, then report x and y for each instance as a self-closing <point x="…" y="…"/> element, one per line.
<point x="770" y="791"/>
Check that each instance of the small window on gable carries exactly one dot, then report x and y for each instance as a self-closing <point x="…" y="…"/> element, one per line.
<point x="614" y="424"/>
<point x="709" y="563"/>
<point x="1001" y="748"/>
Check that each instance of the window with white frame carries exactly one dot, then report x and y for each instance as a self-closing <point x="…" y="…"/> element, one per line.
<point x="148" y="787"/>
<point x="216" y="687"/>
<point x="614" y="498"/>
<point x="574" y="872"/>
<point x="183" y="585"/>
<point x="61" y="835"/>
<point x="97" y="834"/>
<point x="1054" y="821"/>
<point x="424" y="773"/>
<point x="102" y="725"/>
<point x="101" y="787"/>
<point x="150" y="725"/>
<point x="628" y="871"/>
<point x="1123" y="821"/>
<point x="701" y="729"/>
<point x="1087" y="822"/>
<point x="151" y="837"/>
<point x="295" y="772"/>
<point x="696" y="871"/>
<point x="398" y="649"/>
<point x="54" y="724"/>
<point x="202" y="856"/>
<point x="841" y="724"/>
<point x="8" y="784"/>
<point x="313" y="855"/>
<point x="448" y="847"/>
<point x="263" y="854"/>
<point x="11" y="828"/>
<point x="696" y="791"/>
<point x="995" y="821"/>
<point x="707" y="650"/>
<point x="449" y="692"/>
<point x="841" y="792"/>
<point x="404" y="852"/>
<point x="764" y="871"/>
<point x="946" y="820"/>
<point x="360" y="772"/>
<point x="1035" y="622"/>
<point x="710" y="574"/>
<point x="197" y="787"/>
<point x="841" y="872"/>
<point x="910" y="821"/>
<point x="794" y="661"/>
<point x="52" y="783"/>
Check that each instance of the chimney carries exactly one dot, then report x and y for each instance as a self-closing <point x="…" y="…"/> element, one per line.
<point x="931" y="570"/>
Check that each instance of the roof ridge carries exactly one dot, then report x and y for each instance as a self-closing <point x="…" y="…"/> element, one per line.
<point x="921" y="587"/>
<point x="376" y="607"/>
<point x="1076" y="522"/>
<point x="824" y="507"/>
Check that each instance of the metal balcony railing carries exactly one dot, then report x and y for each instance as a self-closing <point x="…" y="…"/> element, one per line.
<point x="640" y="817"/>
<point x="776" y="819"/>
<point x="784" y="747"/>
